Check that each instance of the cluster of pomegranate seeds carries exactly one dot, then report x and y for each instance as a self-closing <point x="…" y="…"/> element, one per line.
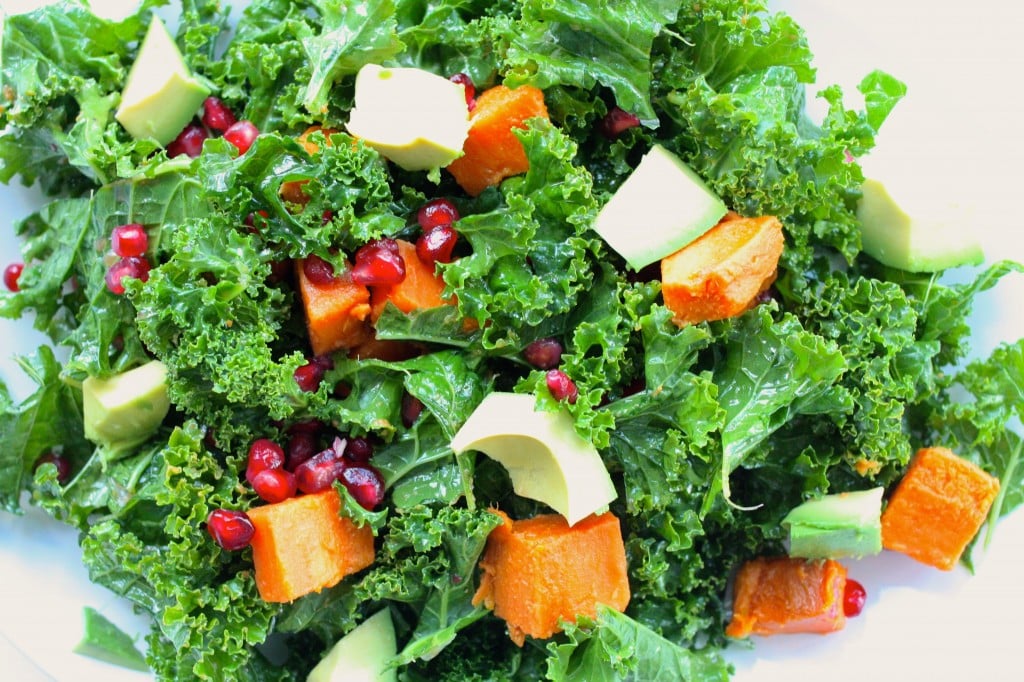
<point x="561" y="386"/>
<point x="543" y="353"/>
<point x="188" y="142"/>
<point x="378" y="263"/>
<point x="216" y="115"/>
<point x="466" y="82"/>
<point x="129" y="240"/>
<point x="617" y="121"/>
<point x="242" y="134"/>
<point x="310" y="375"/>
<point x="12" y="273"/>
<point x="133" y="267"/>
<point x="437" y="242"/>
<point x="232" y="530"/>
<point x="854" y="597"/>
<point x="317" y="270"/>
<point x="62" y="464"/>
<point x="437" y="212"/>
<point x="264" y="454"/>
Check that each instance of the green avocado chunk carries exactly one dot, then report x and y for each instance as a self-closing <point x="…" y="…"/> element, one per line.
<point x="925" y="238"/>
<point x="362" y="655"/>
<point x="127" y="408"/>
<point x="660" y="208"/>
<point x="837" y="526"/>
<point x="161" y="95"/>
<point x="545" y="457"/>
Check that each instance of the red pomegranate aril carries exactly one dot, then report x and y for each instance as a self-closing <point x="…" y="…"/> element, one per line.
<point x="436" y="244"/>
<point x="365" y="484"/>
<point x="129" y="240"/>
<point x="321" y="470"/>
<point x="232" y="530"/>
<point x="62" y="464"/>
<point x="216" y="115"/>
<point x="301" y="448"/>
<point x="264" y="454"/>
<point x="274" y="485"/>
<point x="309" y="376"/>
<point x="466" y="82"/>
<point x="437" y="212"/>
<point x="412" y="408"/>
<point x="12" y="273"/>
<point x="561" y="386"/>
<point x="242" y="134"/>
<point x="543" y="353"/>
<point x="378" y="264"/>
<point x="358" y="450"/>
<point x="313" y="426"/>
<point x="317" y="270"/>
<point x="279" y="271"/>
<point x="618" y="121"/>
<point x="854" y="597"/>
<point x="133" y="267"/>
<point x="188" y="142"/>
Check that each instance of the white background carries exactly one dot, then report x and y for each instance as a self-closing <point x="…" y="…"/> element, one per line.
<point x="956" y="144"/>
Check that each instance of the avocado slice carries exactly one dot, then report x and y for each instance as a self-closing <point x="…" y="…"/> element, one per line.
<point x="545" y="457"/>
<point x="127" y="408"/>
<point x="161" y="95"/>
<point x="927" y="237"/>
<point x="837" y="526"/>
<point x="660" y="208"/>
<point x="414" y="118"/>
<point x="362" y="655"/>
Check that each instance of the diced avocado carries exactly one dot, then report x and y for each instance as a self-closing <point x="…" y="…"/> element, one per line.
<point x="362" y="655"/>
<point x="104" y="641"/>
<point x="161" y="95"/>
<point x="661" y="207"/>
<point x="545" y="457"/>
<point x="928" y="236"/>
<point x="415" y="118"/>
<point x="837" y="526"/>
<point x="127" y="408"/>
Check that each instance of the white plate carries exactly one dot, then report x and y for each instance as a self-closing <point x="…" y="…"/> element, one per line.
<point x="958" y="136"/>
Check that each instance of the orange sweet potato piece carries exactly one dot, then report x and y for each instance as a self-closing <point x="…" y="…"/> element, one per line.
<point x="779" y="595"/>
<point x="539" y="571"/>
<point x="336" y="313"/>
<point x="937" y="508"/>
<point x="492" y="152"/>
<point x="721" y="273"/>
<point x="421" y="289"/>
<point x="302" y="545"/>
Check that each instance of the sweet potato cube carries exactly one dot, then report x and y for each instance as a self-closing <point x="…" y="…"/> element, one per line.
<point x="492" y="152"/>
<point x="540" y="570"/>
<point x="721" y="273"/>
<point x="777" y="595"/>
<point x="302" y="545"/>
<point x="938" y="507"/>
<point x="421" y="289"/>
<point x="336" y="313"/>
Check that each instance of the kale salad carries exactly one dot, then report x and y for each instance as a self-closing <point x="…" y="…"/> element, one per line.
<point x="711" y="432"/>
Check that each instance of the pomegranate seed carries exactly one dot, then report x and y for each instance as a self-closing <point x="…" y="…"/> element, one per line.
<point x="279" y="271"/>
<point x="321" y="470"/>
<point x="301" y="447"/>
<point x="274" y="485"/>
<point x="617" y="121"/>
<point x="256" y="221"/>
<point x="130" y="240"/>
<point x="318" y="271"/>
<point x="12" y="273"/>
<point x="62" y="464"/>
<point x="324" y="362"/>
<point x="133" y="267"/>
<point x="309" y="376"/>
<point x="216" y="115"/>
<point x="378" y="263"/>
<point x="313" y="426"/>
<point x="264" y="454"/>
<point x="359" y="450"/>
<point x="436" y="244"/>
<point x="437" y="212"/>
<point x="466" y="82"/>
<point x="188" y="142"/>
<point x="242" y="135"/>
<point x="365" y="484"/>
<point x="561" y="386"/>
<point x="412" y="408"/>
<point x="543" y="353"/>
<point x="854" y="597"/>
<point x="230" y="529"/>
